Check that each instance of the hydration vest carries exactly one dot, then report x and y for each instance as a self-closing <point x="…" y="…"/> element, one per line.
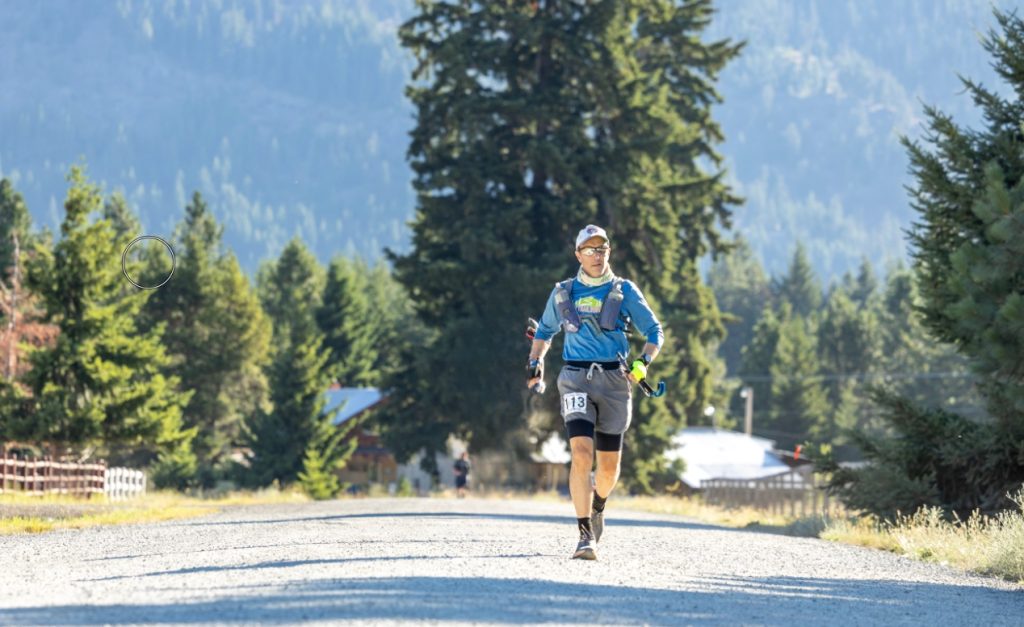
<point x="569" y="317"/>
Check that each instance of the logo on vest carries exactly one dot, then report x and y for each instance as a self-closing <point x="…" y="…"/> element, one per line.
<point x="588" y="305"/>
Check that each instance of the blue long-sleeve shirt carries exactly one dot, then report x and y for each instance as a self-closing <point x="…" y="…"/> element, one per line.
<point x="591" y="343"/>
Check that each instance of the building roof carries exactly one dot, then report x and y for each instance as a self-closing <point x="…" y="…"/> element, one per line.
<point x="719" y="454"/>
<point x="553" y="451"/>
<point x="352" y="401"/>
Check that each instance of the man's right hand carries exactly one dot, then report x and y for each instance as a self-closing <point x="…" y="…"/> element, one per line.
<point x="535" y="372"/>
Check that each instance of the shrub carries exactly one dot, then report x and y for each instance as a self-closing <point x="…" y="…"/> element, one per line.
<point x="174" y="469"/>
<point x="317" y="482"/>
<point x="404" y="488"/>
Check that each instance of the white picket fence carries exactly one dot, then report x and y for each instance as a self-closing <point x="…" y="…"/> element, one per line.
<point x="123" y="483"/>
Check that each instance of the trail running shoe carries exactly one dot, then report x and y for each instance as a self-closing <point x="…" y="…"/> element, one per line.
<point x="597" y="524"/>
<point x="585" y="549"/>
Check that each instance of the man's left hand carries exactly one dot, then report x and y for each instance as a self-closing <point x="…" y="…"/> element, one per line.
<point x="637" y="371"/>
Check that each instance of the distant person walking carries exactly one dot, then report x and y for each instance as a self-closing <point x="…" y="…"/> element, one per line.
<point x="461" y="474"/>
<point x="595" y="308"/>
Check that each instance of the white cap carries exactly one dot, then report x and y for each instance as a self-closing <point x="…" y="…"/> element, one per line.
<point x="589" y="231"/>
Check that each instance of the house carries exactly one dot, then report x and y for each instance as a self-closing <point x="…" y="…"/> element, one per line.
<point x="711" y="453"/>
<point x="371" y="462"/>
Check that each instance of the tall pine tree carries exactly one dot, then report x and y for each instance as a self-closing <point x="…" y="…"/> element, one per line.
<point x="799" y="286"/>
<point x="216" y="333"/>
<point x="352" y="323"/>
<point x="798" y="400"/>
<point x="532" y="120"/>
<point x="283" y="436"/>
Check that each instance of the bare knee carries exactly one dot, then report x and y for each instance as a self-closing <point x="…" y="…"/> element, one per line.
<point x="608" y="464"/>
<point x="582" y="454"/>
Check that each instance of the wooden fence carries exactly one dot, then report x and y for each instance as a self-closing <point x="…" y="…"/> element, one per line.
<point x="793" y="493"/>
<point x="46" y="476"/>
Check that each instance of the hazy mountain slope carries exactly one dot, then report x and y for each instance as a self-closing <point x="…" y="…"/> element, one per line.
<point x="290" y="116"/>
<point x="815" y="108"/>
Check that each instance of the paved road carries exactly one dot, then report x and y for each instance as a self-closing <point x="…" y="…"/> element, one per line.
<point x="412" y="560"/>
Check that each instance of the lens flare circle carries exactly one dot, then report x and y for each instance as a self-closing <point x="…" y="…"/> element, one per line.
<point x="124" y="258"/>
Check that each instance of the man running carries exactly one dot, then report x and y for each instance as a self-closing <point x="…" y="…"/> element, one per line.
<point x="595" y="308"/>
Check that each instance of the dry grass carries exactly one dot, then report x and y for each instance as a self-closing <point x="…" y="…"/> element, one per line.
<point x="21" y="513"/>
<point x="992" y="545"/>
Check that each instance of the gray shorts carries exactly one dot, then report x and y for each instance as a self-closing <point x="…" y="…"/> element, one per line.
<point x="606" y="400"/>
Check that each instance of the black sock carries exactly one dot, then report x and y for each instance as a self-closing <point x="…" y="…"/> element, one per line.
<point x="585" y="529"/>
<point x="599" y="503"/>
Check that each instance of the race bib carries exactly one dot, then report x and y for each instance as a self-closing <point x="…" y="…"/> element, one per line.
<point x="573" y="403"/>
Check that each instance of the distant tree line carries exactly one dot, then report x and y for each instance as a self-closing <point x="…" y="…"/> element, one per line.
<point x="812" y="355"/>
<point x="922" y="376"/>
<point x="206" y="378"/>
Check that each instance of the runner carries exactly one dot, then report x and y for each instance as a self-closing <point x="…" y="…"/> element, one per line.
<point x="595" y="308"/>
<point x="461" y="474"/>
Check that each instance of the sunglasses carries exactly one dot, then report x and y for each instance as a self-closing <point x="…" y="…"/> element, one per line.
<point x="590" y="251"/>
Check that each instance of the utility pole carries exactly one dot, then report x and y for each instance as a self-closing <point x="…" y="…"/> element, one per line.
<point x="748" y="393"/>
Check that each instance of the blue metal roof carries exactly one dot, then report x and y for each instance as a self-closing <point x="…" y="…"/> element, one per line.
<point x="352" y="401"/>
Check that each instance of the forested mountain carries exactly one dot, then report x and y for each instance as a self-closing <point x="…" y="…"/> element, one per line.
<point x="814" y="109"/>
<point x="290" y="117"/>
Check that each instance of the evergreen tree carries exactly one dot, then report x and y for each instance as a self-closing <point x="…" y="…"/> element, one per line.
<point x="742" y="289"/>
<point x="920" y="369"/>
<point x="318" y="482"/>
<point x="16" y="241"/>
<point x="217" y="334"/>
<point x="968" y="258"/>
<point x="291" y="291"/>
<point x="758" y="356"/>
<point x="865" y="287"/>
<point x="351" y="328"/>
<point x="123" y="220"/>
<point x="799" y="286"/>
<point x="397" y="326"/>
<point x="849" y="348"/>
<point x="101" y="384"/>
<point x="532" y="120"/>
<point x="282" y="436"/>
<point x="798" y="400"/>
<point x="14" y="221"/>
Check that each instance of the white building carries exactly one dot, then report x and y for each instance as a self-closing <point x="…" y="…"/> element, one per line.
<point x="711" y="453"/>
